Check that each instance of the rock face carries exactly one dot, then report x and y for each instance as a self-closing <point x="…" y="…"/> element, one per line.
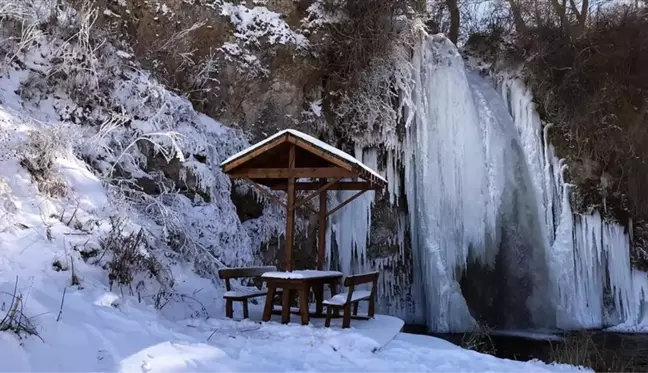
<point x="255" y="65"/>
<point x="247" y="64"/>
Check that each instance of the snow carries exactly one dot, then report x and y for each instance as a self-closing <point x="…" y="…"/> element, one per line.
<point x="302" y="274"/>
<point x="317" y="143"/>
<point x="341" y="299"/>
<point x="316" y="108"/>
<point x="124" y="55"/>
<point x="91" y="328"/>
<point x="256" y="23"/>
<point x="85" y="323"/>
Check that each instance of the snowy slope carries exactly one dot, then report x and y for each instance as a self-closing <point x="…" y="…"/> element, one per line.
<point x="60" y="308"/>
<point x="87" y="327"/>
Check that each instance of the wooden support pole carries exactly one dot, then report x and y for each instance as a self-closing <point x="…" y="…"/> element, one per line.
<point x="321" y="242"/>
<point x="345" y="202"/>
<point x="290" y="213"/>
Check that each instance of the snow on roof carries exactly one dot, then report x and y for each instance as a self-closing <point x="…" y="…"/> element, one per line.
<point x="318" y="143"/>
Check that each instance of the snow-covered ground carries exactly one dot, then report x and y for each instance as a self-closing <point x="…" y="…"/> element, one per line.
<point x="60" y="308"/>
<point x="100" y="330"/>
<point x="87" y="327"/>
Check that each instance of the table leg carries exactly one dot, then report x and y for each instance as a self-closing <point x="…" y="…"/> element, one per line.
<point x="303" y="304"/>
<point x="267" y="311"/>
<point x="285" y="306"/>
<point x="318" y="289"/>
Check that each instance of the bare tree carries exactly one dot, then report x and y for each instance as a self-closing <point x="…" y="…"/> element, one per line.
<point x="518" y="20"/>
<point x="455" y="19"/>
<point x="581" y="15"/>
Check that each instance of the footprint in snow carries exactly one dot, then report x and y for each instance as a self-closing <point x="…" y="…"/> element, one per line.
<point x="146" y="367"/>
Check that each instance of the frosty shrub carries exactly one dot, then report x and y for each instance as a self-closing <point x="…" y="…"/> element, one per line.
<point x="76" y="62"/>
<point x="37" y="157"/>
<point x="129" y="257"/>
<point x="367" y="63"/>
<point x="580" y="349"/>
<point x="14" y="319"/>
<point x="479" y="340"/>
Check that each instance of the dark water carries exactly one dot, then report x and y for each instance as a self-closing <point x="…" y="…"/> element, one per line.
<point x="605" y="351"/>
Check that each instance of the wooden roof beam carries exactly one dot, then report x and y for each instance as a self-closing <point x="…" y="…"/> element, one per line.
<point x="256" y="152"/>
<point x="285" y="173"/>
<point x="342" y="185"/>
<point x="321" y="153"/>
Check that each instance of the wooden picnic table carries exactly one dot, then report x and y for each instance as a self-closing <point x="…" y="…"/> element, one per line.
<point x="299" y="282"/>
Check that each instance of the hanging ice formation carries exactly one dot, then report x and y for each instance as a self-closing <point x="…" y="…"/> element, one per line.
<point x="491" y="228"/>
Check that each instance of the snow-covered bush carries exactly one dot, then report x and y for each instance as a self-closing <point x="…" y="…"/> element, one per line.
<point x="14" y="319"/>
<point x="37" y="156"/>
<point x="368" y="46"/>
<point x="158" y="157"/>
<point x="130" y="256"/>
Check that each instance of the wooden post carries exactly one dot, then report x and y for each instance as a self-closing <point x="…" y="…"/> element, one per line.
<point x="321" y="242"/>
<point x="290" y="213"/>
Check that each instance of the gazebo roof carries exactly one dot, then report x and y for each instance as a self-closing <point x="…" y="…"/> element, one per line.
<point x="266" y="162"/>
<point x="284" y="160"/>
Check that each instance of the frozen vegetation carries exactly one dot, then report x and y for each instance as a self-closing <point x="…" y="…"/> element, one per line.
<point x="115" y="215"/>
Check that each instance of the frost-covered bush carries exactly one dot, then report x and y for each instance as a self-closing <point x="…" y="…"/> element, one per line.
<point x="37" y="157"/>
<point x="14" y="319"/>
<point x="368" y="47"/>
<point x="158" y="158"/>
<point x="129" y="256"/>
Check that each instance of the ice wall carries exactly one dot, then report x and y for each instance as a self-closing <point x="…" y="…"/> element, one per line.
<point x="485" y="190"/>
<point x="471" y="196"/>
<point x="593" y="283"/>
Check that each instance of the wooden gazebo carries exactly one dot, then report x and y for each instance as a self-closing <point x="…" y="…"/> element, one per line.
<point x="292" y="161"/>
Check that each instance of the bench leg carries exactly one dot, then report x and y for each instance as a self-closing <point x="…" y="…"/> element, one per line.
<point x="371" y="307"/>
<point x="318" y="289"/>
<point x="329" y="314"/>
<point x="355" y="308"/>
<point x="229" y="308"/>
<point x="246" y="315"/>
<point x="346" y="320"/>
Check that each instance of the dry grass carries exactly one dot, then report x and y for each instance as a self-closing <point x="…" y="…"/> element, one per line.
<point x="479" y="340"/>
<point x="580" y="349"/>
<point x="14" y="319"/>
<point x="37" y="157"/>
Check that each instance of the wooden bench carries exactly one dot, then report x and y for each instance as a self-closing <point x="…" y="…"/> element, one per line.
<point x="352" y="298"/>
<point x="242" y="296"/>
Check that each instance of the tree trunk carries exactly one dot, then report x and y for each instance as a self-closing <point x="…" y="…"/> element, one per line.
<point x="520" y="26"/>
<point x="453" y="7"/>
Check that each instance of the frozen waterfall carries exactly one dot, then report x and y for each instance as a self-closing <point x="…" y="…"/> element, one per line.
<point x="492" y="234"/>
<point x="474" y="202"/>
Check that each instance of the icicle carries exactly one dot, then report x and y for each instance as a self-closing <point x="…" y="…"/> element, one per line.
<point x="350" y="226"/>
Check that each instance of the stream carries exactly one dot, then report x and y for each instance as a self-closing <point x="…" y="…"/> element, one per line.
<point x="600" y="350"/>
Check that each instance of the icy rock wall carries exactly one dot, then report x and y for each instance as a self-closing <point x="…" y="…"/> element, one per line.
<point x="593" y="282"/>
<point x="469" y="190"/>
<point x="484" y="188"/>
